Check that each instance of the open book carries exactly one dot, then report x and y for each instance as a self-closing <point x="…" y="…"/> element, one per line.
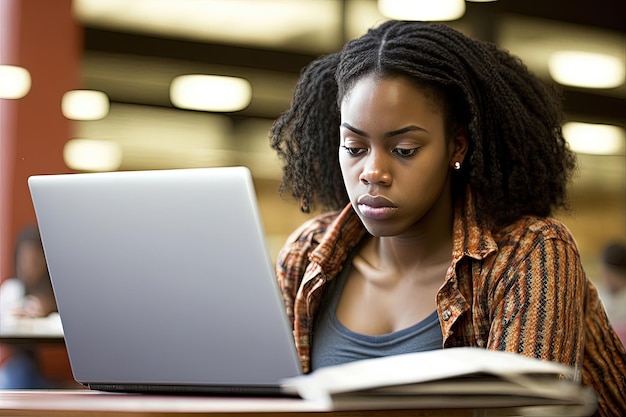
<point x="461" y="377"/>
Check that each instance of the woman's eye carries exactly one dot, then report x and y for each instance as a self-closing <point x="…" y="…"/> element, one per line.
<point x="353" y="151"/>
<point x="405" y="152"/>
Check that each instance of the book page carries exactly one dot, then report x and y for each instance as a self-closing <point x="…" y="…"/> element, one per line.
<point x="470" y="375"/>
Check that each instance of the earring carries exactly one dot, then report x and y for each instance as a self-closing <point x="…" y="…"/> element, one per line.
<point x="457" y="165"/>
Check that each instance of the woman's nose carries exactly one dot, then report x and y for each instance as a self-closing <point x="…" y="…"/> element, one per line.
<point x="375" y="171"/>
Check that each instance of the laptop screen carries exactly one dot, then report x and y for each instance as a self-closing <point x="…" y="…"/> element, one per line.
<point x="163" y="279"/>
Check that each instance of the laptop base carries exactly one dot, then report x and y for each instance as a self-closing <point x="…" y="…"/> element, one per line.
<point x="221" y="390"/>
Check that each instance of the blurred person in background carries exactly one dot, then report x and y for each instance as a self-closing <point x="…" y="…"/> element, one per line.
<point x="27" y="295"/>
<point x="613" y="276"/>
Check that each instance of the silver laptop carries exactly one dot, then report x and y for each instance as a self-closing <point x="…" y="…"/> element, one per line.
<point x="164" y="282"/>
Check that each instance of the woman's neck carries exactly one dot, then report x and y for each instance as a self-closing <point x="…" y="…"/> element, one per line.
<point x="407" y="254"/>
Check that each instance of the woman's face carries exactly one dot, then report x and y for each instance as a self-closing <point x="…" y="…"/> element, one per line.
<point x="395" y="157"/>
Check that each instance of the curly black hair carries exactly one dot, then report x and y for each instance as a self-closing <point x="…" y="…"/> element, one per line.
<point x="518" y="161"/>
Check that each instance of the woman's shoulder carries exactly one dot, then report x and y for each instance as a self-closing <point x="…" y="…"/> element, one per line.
<point x="330" y="235"/>
<point x="535" y="240"/>
<point x="306" y="238"/>
<point x="313" y="227"/>
<point x="533" y="229"/>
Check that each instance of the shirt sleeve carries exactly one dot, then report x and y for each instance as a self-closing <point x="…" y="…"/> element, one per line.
<point x="539" y="302"/>
<point x="545" y="307"/>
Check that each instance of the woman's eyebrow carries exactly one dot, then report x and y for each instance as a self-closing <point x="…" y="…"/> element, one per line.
<point x="406" y="129"/>
<point x="410" y="128"/>
<point x="354" y="129"/>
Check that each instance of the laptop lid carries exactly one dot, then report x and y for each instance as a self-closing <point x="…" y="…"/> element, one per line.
<point x="163" y="280"/>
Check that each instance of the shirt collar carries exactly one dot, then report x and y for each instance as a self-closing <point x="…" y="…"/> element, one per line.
<point x="469" y="239"/>
<point x="341" y="237"/>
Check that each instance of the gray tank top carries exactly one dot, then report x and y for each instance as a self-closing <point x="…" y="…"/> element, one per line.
<point x="333" y="343"/>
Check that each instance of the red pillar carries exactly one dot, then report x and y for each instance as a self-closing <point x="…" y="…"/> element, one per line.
<point x="43" y="37"/>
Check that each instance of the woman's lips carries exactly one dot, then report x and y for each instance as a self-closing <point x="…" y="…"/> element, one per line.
<point x="375" y="207"/>
<point x="376" y="213"/>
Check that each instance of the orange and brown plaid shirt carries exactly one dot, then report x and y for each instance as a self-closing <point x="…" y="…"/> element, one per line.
<point x="521" y="289"/>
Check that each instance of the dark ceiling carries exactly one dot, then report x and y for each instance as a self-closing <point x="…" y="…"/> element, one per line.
<point x="483" y="17"/>
<point x="607" y="14"/>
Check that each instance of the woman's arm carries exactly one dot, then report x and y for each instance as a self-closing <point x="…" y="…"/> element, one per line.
<point x="538" y="308"/>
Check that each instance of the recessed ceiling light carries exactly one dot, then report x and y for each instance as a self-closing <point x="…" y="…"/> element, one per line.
<point x="85" y="105"/>
<point x="210" y="93"/>
<point x="595" y="139"/>
<point x="92" y="155"/>
<point x="15" y="82"/>
<point x="433" y="10"/>
<point x="586" y="69"/>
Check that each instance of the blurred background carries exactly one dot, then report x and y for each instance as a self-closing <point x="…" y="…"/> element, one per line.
<point x="103" y="90"/>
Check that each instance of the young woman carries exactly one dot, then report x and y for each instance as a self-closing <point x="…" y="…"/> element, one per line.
<point x="438" y="160"/>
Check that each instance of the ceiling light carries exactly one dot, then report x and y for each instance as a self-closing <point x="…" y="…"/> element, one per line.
<point x="85" y="105"/>
<point x="440" y="10"/>
<point x="210" y="93"/>
<point x="15" y="82"/>
<point x="248" y="22"/>
<point x="92" y="155"/>
<point x="586" y="69"/>
<point x="595" y="139"/>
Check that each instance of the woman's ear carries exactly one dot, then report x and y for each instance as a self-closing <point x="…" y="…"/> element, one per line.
<point x="459" y="146"/>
